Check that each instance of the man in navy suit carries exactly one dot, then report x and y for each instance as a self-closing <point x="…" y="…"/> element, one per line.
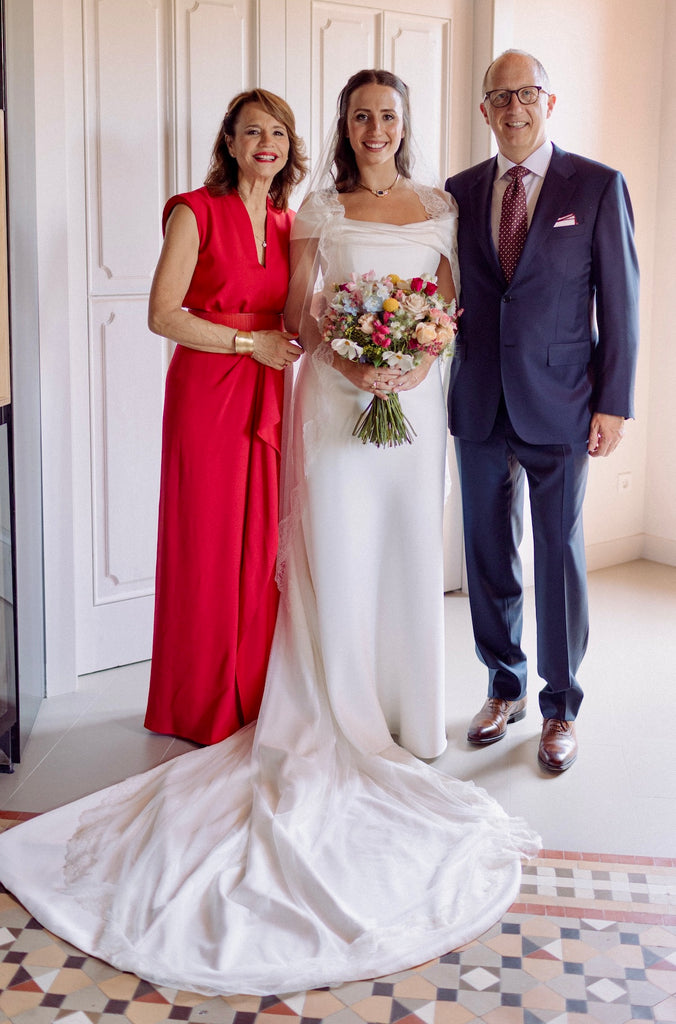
<point x="543" y="379"/>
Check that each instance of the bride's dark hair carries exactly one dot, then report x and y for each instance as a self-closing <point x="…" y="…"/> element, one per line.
<point x="346" y="173"/>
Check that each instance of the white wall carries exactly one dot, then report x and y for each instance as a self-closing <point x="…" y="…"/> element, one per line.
<point x="608" y="66"/>
<point x="660" y="501"/>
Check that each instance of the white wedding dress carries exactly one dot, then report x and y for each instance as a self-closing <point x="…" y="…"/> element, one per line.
<point x="308" y="849"/>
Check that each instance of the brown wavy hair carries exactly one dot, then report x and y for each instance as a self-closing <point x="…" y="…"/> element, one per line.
<point x="223" y="173"/>
<point x="346" y="172"/>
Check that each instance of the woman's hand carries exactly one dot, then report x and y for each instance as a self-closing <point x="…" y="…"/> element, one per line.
<point x="412" y="378"/>
<point x="377" y="380"/>
<point x="277" y="349"/>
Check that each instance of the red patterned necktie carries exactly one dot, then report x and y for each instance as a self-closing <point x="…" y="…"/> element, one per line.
<point x="513" y="221"/>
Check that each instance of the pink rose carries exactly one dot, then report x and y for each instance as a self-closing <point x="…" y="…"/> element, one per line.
<point x="445" y="336"/>
<point x="441" y="317"/>
<point x="426" y="335"/>
<point x="417" y="284"/>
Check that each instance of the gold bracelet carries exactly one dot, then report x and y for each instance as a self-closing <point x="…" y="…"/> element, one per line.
<point x="244" y="343"/>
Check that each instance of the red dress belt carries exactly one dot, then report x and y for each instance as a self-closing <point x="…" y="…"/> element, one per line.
<point x="242" y="321"/>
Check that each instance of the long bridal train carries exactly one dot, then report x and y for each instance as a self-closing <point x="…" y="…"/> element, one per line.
<point x="271" y="863"/>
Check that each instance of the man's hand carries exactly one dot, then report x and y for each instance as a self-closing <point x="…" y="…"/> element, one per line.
<point x="605" y="433"/>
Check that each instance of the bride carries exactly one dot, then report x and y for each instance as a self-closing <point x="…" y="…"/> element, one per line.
<point x="310" y="849"/>
<point x="375" y="515"/>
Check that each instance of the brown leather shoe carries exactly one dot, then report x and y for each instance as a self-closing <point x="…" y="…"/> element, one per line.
<point x="558" y="745"/>
<point x="490" y="724"/>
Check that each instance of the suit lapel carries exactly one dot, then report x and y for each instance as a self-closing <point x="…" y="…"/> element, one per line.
<point x="553" y="202"/>
<point x="480" y="206"/>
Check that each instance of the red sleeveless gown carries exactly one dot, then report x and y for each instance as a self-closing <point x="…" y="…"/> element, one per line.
<point x="216" y="598"/>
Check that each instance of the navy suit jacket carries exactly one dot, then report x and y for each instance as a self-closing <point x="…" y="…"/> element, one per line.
<point x="561" y="339"/>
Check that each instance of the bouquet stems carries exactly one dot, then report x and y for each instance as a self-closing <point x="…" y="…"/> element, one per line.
<point x="384" y="424"/>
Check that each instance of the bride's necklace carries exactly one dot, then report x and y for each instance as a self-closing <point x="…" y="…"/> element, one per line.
<point x="379" y="192"/>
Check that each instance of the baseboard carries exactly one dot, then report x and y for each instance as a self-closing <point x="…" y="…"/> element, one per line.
<point x="616" y="552"/>
<point x="659" y="549"/>
<point x="627" y="549"/>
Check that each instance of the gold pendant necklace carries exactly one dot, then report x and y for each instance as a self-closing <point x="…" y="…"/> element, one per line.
<point x="379" y="192"/>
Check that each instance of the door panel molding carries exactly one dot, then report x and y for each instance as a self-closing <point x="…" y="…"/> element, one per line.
<point x="214" y="60"/>
<point x="126" y="377"/>
<point x="125" y="107"/>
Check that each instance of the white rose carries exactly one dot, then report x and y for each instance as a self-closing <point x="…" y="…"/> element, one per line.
<point x="415" y="303"/>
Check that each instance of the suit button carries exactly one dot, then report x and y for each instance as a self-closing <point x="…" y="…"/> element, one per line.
<point x="506" y="298"/>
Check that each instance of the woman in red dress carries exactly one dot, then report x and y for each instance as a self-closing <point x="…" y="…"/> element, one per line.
<point x="218" y="292"/>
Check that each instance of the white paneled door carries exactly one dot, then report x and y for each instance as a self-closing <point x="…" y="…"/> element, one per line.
<point x="156" y="77"/>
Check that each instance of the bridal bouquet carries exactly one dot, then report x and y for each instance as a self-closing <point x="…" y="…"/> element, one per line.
<point x="389" y="321"/>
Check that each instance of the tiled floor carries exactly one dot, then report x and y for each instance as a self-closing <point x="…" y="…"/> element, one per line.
<point x="593" y="937"/>
<point x="590" y="940"/>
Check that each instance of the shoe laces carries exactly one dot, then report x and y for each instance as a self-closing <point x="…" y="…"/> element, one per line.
<point x="557" y="725"/>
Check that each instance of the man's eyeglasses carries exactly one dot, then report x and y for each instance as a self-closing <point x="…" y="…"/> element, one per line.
<point x="526" y="95"/>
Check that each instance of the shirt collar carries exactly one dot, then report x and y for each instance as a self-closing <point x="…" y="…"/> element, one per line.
<point x="537" y="162"/>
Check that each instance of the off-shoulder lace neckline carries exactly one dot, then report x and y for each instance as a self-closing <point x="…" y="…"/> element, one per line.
<point x="433" y="204"/>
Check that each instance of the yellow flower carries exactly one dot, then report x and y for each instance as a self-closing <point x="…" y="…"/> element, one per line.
<point x="390" y="305"/>
<point x="394" y="278"/>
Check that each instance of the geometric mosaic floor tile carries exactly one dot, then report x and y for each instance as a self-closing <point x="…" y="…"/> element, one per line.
<point x="590" y="940"/>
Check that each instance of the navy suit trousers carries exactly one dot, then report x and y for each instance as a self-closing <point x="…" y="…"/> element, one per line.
<point x="492" y="475"/>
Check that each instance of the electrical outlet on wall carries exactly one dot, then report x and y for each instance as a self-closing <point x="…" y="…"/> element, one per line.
<point x="623" y="483"/>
